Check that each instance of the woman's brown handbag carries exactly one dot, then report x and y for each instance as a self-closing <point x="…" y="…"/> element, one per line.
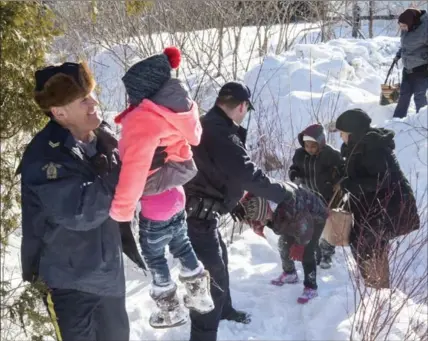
<point x="338" y="225"/>
<point x="389" y="92"/>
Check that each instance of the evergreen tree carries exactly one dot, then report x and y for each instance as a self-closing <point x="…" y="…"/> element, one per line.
<point x="26" y="32"/>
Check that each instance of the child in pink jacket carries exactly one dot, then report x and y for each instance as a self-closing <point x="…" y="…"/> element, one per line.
<point x="161" y="113"/>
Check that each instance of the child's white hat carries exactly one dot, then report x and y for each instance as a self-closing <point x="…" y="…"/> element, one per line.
<point x="309" y="138"/>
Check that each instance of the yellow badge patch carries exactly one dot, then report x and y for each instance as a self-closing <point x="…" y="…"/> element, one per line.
<point x="51" y="170"/>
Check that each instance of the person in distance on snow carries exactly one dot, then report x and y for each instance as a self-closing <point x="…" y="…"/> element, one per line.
<point x="161" y="114"/>
<point x="316" y="165"/>
<point x="69" y="243"/>
<point x="414" y="54"/>
<point x="299" y="221"/>
<point x="381" y="198"/>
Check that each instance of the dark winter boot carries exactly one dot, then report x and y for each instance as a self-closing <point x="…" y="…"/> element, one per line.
<point x="327" y="251"/>
<point x="170" y="313"/>
<point x="198" y="295"/>
<point x="326" y="262"/>
<point x="238" y="316"/>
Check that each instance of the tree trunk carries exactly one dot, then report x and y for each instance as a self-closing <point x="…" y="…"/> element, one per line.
<point x="220" y="47"/>
<point x="265" y="41"/>
<point x="235" y="52"/>
<point x="355" y="19"/>
<point x="371" y="13"/>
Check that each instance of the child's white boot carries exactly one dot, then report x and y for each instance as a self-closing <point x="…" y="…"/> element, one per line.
<point x="197" y="284"/>
<point x="170" y="312"/>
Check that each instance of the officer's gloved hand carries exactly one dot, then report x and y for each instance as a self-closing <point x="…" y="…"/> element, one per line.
<point x="159" y="158"/>
<point x="106" y="137"/>
<point x="100" y="164"/>
<point x="295" y="176"/>
<point x="297" y="181"/>
<point x="129" y="245"/>
<point x="238" y="213"/>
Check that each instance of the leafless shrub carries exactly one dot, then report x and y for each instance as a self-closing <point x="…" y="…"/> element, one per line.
<point x="390" y="289"/>
<point x="212" y="37"/>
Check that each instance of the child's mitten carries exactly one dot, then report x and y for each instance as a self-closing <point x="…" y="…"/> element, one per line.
<point x="296" y="252"/>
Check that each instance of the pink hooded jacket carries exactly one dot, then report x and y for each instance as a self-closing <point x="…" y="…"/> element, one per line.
<point x="144" y="128"/>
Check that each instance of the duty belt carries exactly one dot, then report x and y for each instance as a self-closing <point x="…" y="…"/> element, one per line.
<point x="204" y="208"/>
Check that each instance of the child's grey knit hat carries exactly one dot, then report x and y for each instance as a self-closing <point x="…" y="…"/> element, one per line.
<point x="146" y="77"/>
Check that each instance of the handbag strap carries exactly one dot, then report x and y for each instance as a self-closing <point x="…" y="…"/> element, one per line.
<point x="389" y="71"/>
<point x="336" y="192"/>
<point x="342" y="203"/>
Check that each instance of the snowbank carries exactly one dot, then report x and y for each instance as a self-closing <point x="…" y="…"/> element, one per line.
<point x="309" y="83"/>
<point x="291" y="91"/>
<point x="316" y="82"/>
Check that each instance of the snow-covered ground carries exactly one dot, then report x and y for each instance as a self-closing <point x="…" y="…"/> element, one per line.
<point x="292" y="90"/>
<point x="308" y="83"/>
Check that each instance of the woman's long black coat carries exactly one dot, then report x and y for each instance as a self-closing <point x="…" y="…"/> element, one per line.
<point x="382" y="200"/>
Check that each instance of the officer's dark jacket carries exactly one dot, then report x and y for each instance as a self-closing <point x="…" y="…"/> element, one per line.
<point x="225" y="170"/>
<point x="68" y="239"/>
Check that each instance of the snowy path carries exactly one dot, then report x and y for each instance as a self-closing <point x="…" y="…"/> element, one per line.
<point x="307" y="83"/>
<point x="276" y="314"/>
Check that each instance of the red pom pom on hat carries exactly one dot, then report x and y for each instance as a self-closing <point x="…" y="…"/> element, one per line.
<point x="174" y="56"/>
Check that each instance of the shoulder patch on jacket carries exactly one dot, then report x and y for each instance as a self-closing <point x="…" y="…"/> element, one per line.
<point x="51" y="170"/>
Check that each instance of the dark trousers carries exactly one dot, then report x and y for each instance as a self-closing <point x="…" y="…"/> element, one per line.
<point x="413" y="84"/>
<point x="80" y="316"/>
<point x="212" y="252"/>
<point x="309" y="261"/>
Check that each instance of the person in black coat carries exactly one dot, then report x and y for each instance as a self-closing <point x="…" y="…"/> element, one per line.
<point x="316" y="165"/>
<point x="225" y="171"/>
<point x="381" y="199"/>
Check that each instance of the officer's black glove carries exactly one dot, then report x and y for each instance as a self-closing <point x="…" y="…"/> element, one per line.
<point x="100" y="164"/>
<point x="238" y="213"/>
<point x="159" y="158"/>
<point x="129" y="245"/>
<point x="293" y="174"/>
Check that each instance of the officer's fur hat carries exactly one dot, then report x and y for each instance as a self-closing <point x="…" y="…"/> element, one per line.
<point x="57" y="86"/>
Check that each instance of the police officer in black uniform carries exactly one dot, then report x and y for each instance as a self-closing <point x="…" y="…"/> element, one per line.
<point x="225" y="171"/>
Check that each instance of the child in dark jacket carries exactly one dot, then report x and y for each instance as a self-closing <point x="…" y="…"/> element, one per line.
<point x="299" y="221"/>
<point x="316" y="165"/>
